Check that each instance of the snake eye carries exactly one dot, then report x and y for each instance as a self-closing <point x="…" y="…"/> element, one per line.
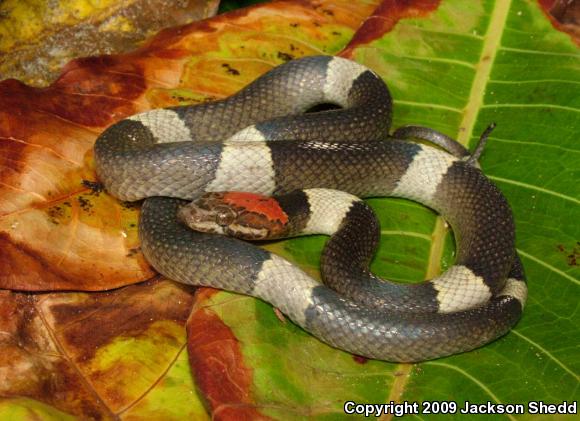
<point x="225" y="216"/>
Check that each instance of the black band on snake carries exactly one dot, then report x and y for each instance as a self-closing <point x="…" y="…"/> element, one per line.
<point x="260" y="140"/>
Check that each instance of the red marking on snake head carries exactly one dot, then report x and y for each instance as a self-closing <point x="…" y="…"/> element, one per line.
<point x="243" y="215"/>
<point x="257" y="204"/>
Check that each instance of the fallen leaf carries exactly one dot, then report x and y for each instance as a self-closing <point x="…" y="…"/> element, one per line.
<point x="98" y="355"/>
<point x="63" y="233"/>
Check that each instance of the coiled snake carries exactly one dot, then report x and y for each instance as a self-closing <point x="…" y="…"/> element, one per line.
<point x="173" y="155"/>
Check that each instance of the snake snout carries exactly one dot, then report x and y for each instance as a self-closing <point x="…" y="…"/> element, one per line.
<point x="242" y="215"/>
<point x="199" y="219"/>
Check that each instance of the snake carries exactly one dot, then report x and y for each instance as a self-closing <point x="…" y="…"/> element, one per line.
<point x="274" y="138"/>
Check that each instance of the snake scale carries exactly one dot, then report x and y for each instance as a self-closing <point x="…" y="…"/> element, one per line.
<point x="260" y="140"/>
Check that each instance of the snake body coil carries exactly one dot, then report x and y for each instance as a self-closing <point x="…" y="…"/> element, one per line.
<point x="181" y="153"/>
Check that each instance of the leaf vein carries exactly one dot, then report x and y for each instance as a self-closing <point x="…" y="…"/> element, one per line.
<point x="523" y="142"/>
<point x="436" y="59"/>
<point x="547" y="353"/>
<point x="487" y="57"/>
<point x="538" y="81"/>
<point x="556" y="106"/>
<point x="428" y="105"/>
<point x="472" y="378"/>
<point x="407" y="233"/>
<point x="548" y="266"/>
<point x="548" y="53"/>
<point x="537" y="188"/>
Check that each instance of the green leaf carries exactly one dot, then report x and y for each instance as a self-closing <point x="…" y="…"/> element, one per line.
<point x="455" y="69"/>
<point x="503" y="62"/>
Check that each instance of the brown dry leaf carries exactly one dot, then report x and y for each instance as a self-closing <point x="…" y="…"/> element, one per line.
<point x="58" y="233"/>
<point x="37" y="38"/>
<point x="565" y="15"/>
<point x="119" y="353"/>
<point x="92" y="355"/>
<point x="217" y="361"/>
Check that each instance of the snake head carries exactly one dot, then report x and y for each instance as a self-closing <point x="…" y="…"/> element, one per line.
<point x="247" y="216"/>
